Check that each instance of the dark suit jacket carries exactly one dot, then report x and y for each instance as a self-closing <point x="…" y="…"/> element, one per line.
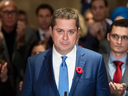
<point x="50" y="42"/>
<point x="19" y="54"/>
<point x="125" y="76"/>
<point x="39" y="77"/>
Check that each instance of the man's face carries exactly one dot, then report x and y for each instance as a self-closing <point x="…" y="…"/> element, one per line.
<point x="9" y="14"/>
<point x="44" y="18"/>
<point x="64" y="35"/>
<point x="118" y="39"/>
<point x="99" y="10"/>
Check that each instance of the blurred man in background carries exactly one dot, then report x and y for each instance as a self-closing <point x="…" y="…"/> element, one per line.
<point x="14" y="44"/>
<point x="97" y="31"/>
<point x="44" y="13"/>
<point x="30" y="33"/>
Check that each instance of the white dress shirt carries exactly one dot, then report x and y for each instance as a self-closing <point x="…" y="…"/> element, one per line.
<point x="42" y="33"/>
<point x="70" y="61"/>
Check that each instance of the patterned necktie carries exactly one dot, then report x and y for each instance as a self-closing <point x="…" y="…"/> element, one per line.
<point x="63" y="77"/>
<point x="118" y="72"/>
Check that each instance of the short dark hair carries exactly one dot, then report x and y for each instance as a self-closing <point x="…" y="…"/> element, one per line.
<point x="64" y="13"/>
<point x="105" y="2"/>
<point x="37" y="43"/>
<point x="22" y="12"/>
<point x="44" y="6"/>
<point x="120" y="23"/>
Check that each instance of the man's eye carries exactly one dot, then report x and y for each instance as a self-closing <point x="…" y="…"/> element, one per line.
<point x="115" y="36"/>
<point x="71" y="32"/>
<point x="5" y="11"/>
<point x="125" y="37"/>
<point x="60" y="31"/>
<point x="101" y="7"/>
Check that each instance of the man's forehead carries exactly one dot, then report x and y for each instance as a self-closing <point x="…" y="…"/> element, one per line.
<point x="65" y="23"/>
<point x="119" y="29"/>
<point x="44" y="11"/>
<point x="98" y="2"/>
<point x="8" y="5"/>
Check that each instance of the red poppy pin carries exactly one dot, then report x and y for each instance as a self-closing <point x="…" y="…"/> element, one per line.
<point x="79" y="70"/>
<point x="127" y="64"/>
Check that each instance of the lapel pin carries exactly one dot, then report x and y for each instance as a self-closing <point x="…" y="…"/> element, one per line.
<point x="79" y="70"/>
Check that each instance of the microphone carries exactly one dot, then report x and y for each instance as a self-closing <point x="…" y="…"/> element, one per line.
<point x="65" y="93"/>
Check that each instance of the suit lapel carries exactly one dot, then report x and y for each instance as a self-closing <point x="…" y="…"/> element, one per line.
<point x="106" y="59"/>
<point x="125" y="77"/>
<point x="5" y="52"/>
<point x="80" y="62"/>
<point x="49" y="70"/>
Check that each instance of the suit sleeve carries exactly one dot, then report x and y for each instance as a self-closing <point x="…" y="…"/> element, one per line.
<point x="27" y="83"/>
<point x="102" y="85"/>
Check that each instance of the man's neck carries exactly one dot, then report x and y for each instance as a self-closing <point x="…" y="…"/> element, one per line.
<point x="118" y="55"/>
<point x="8" y="29"/>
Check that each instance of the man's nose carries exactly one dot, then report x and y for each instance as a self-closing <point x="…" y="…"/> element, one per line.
<point x="65" y="36"/>
<point x="119" y="41"/>
<point x="9" y="14"/>
<point x="97" y="9"/>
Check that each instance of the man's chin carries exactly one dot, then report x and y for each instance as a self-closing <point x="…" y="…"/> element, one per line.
<point x="118" y="51"/>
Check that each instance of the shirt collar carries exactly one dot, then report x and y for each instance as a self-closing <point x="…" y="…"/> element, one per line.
<point x="70" y="55"/>
<point x="43" y="32"/>
<point x="123" y="59"/>
<point x="56" y="54"/>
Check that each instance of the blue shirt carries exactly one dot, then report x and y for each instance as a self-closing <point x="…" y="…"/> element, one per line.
<point x="112" y="67"/>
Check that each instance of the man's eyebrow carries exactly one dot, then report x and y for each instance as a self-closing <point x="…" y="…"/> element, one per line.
<point x="72" y="29"/>
<point x="59" y="29"/>
<point x="69" y="29"/>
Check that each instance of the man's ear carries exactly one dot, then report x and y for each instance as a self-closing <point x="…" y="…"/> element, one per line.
<point x="50" y="29"/>
<point x="108" y="36"/>
<point x="0" y="16"/>
<point x="78" y="32"/>
<point x="107" y="11"/>
<point x="78" y="29"/>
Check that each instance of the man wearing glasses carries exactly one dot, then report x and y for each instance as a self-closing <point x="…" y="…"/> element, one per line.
<point x="14" y="42"/>
<point x="117" y="60"/>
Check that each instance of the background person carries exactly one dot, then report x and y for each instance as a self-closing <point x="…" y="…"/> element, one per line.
<point x="43" y="15"/>
<point x="116" y="60"/>
<point x="36" y="47"/>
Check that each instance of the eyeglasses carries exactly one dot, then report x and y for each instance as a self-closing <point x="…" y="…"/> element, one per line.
<point x="14" y="12"/>
<point x="116" y="37"/>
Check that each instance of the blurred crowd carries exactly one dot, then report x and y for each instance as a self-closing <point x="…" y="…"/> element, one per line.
<point x="18" y="40"/>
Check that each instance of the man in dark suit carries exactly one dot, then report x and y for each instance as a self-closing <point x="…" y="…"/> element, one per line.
<point x="65" y="68"/>
<point x="116" y="60"/>
<point x="44" y="13"/>
<point x="14" y="40"/>
<point x="96" y="39"/>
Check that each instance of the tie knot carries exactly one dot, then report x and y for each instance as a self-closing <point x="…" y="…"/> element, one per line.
<point x="118" y="63"/>
<point x="63" y="58"/>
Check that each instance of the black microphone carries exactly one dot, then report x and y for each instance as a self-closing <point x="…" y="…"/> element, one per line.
<point x="65" y="93"/>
